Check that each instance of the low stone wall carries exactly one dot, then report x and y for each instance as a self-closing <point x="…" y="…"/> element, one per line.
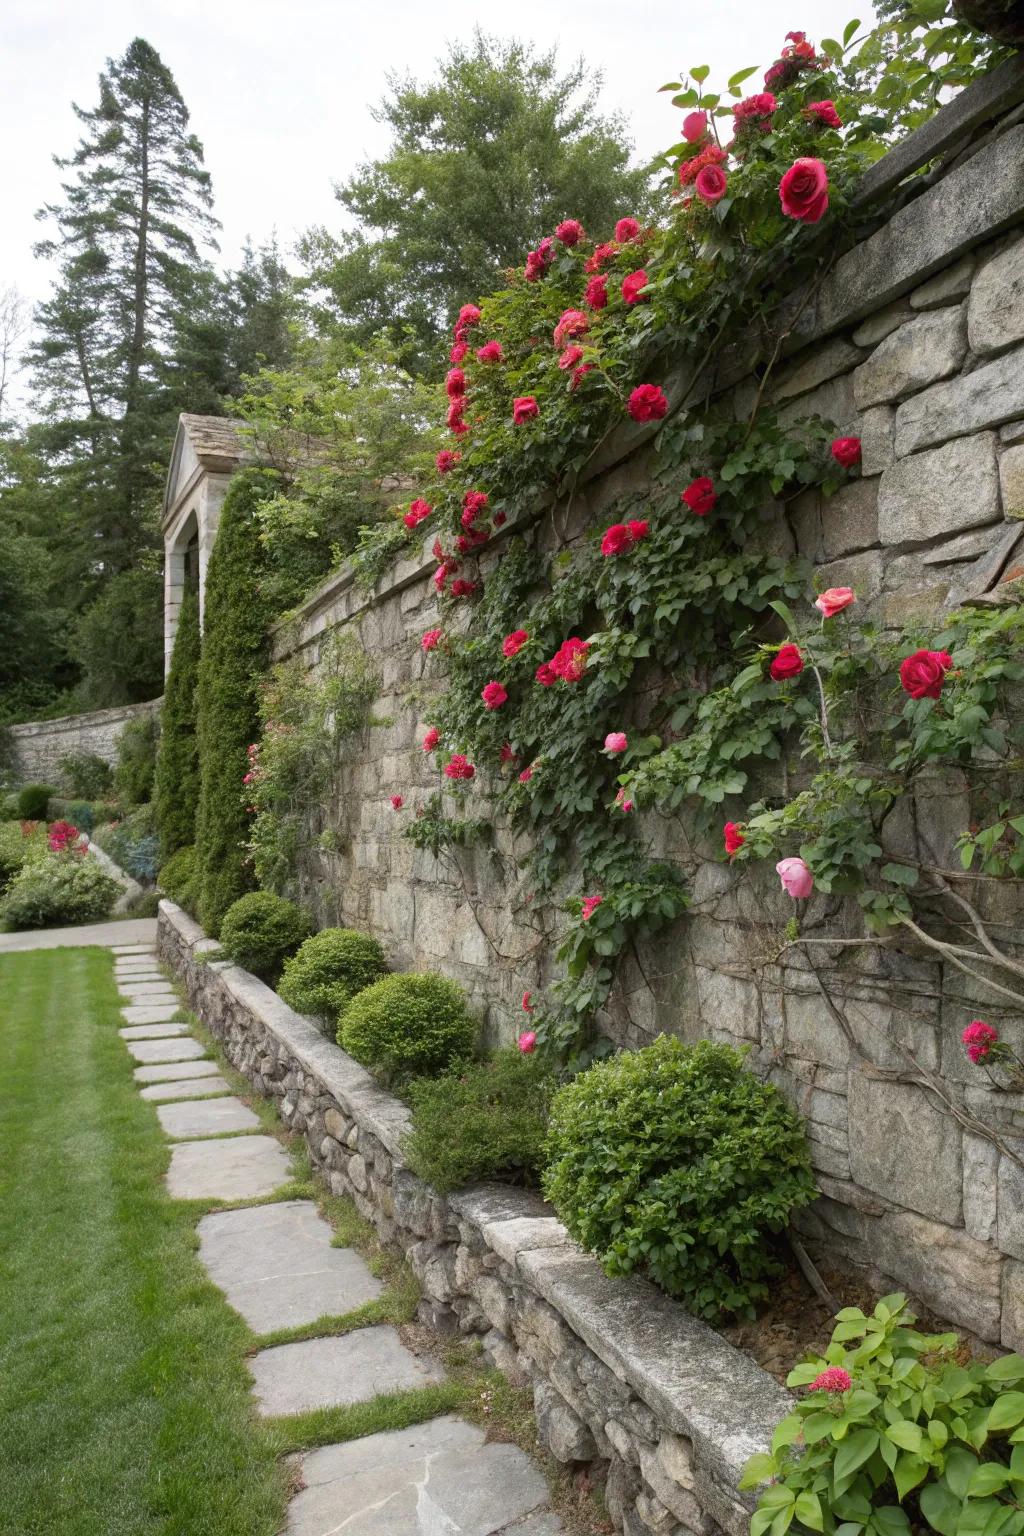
<point x="621" y="1374"/>
<point x="39" y="745"/>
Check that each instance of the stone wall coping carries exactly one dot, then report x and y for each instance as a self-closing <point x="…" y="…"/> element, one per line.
<point x="96" y="717"/>
<point x="698" y="1383"/>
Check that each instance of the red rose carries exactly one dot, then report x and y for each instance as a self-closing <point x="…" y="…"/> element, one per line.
<point x="632" y="285"/>
<point x="459" y="767"/>
<point x="514" y="642"/>
<point x="570" y="660"/>
<point x="602" y="255"/>
<point x="455" y="383"/>
<point x="493" y="695"/>
<point x="734" y="838"/>
<point x="463" y="588"/>
<point x="647" y="403"/>
<point x="506" y="754"/>
<point x="846" y="451"/>
<point x="545" y="676"/>
<point x="431" y="638"/>
<point x="924" y="673"/>
<point x="755" y="110"/>
<point x="710" y="185"/>
<point x="803" y="191"/>
<point x="397" y="802"/>
<point x="595" y="295"/>
<point x="570" y="357"/>
<point x="572" y="323"/>
<point x="700" y="495"/>
<point x="579" y="374"/>
<point x="617" y="540"/>
<point x="431" y="739"/>
<point x="418" y="510"/>
<point x="788" y="662"/>
<point x="473" y="503"/>
<point x="468" y="315"/>
<point x="455" y="410"/>
<point x="458" y="352"/>
<point x="490" y="352"/>
<point x="639" y="528"/>
<point x="524" y="408"/>
<point x="626" y="230"/>
<point x="446" y="460"/>
<point x="570" y="232"/>
<point x="823" y="112"/>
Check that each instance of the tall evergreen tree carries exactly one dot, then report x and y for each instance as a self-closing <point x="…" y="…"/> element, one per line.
<point x="176" y="787"/>
<point x="126" y="242"/>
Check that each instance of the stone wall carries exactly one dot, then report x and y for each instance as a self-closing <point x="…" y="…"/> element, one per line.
<point x="915" y="342"/>
<point x="621" y="1375"/>
<point x="39" y="745"/>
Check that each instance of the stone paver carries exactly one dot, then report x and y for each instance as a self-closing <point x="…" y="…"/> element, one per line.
<point x="136" y="936"/>
<point x="145" y="1051"/>
<point x="332" y="1372"/>
<point x="209" y="1117"/>
<point x="141" y="990"/>
<point x="171" y="1071"/>
<point x="438" y="1477"/>
<point x="137" y="967"/>
<point x="153" y="1031"/>
<point x="240" y="1168"/>
<point x="186" y="1088"/>
<point x="276" y="1266"/>
<point x="150" y="1013"/>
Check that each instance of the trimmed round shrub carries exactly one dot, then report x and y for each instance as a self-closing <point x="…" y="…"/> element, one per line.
<point x="408" y="1026"/>
<point x="63" y="888"/>
<point x="178" y="878"/>
<point x="678" y="1161"/>
<point x="329" y="970"/>
<point x="260" y="931"/>
<point x="488" y="1121"/>
<point x="34" y="801"/>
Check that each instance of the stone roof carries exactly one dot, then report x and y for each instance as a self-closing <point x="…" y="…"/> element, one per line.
<point x="213" y="437"/>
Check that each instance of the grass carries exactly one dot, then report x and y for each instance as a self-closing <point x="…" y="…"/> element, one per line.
<point x="124" y="1397"/>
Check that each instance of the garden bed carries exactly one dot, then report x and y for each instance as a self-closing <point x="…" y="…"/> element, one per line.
<point x="622" y="1375"/>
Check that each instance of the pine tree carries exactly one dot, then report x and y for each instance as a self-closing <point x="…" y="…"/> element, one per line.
<point x="176" y="794"/>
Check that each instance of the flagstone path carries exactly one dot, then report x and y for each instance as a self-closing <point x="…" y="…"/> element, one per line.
<point x="278" y="1268"/>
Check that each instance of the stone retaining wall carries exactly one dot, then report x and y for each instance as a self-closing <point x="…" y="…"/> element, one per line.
<point x="621" y="1374"/>
<point x="39" y="745"/>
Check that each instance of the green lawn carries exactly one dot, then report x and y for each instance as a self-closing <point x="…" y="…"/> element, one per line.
<point x="125" y="1405"/>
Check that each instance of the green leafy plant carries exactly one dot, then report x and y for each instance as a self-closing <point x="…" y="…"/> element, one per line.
<point x="20" y="844"/>
<point x="677" y="1161"/>
<point x="328" y="970"/>
<point x="132" y="843"/>
<point x="176" y="781"/>
<point x="33" y="801"/>
<point x="136" y="759"/>
<point x="896" y="1434"/>
<point x="486" y="1120"/>
<point x="408" y="1026"/>
<point x="259" y="931"/>
<point x="60" y="888"/>
<point x="178" y="878"/>
<point x="87" y="775"/>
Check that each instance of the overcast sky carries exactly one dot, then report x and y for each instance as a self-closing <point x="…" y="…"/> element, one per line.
<point x="280" y="90"/>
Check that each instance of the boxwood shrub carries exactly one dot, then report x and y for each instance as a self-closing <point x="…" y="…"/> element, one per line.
<point x="677" y="1161"/>
<point x="61" y="888"/>
<point x="260" y="931"/>
<point x="34" y="800"/>
<point x="178" y="878"/>
<point x="485" y="1121"/>
<point x="408" y="1026"/>
<point x="329" y="969"/>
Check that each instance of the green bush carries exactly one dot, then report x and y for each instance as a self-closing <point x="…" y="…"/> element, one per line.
<point x="896" y="1435"/>
<point x="329" y="970"/>
<point x="132" y="843"/>
<point x="87" y="775"/>
<point x="488" y="1121"/>
<point x="260" y="931"/>
<point x="136" y="760"/>
<point x="677" y="1160"/>
<point x="176" y="786"/>
<point x="62" y="888"/>
<point x="177" y="878"/>
<point x="227" y="718"/>
<point x="81" y="813"/>
<point x="408" y="1026"/>
<point x="17" y="849"/>
<point x="34" y="801"/>
<point x="146" y="904"/>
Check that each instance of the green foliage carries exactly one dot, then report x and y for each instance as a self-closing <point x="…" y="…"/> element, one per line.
<point x="33" y="629"/>
<point x="227" y="717"/>
<point x="918" y="1441"/>
<point x="178" y="878"/>
<point x="118" y="641"/>
<point x="329" y="969"/>
<point x="307" y="723"/>
<point x="82" y="814"/>
<point x="33" y="801"/>
<point x="408" y="1026"/>
<point x="176" y="780"/>
<point x="132" y="843"/>
<point x="259" y="931"/>
<point x="136" y="759"/>
<point x="87" y="775"/>
<point x="60" y="888"/>
<point x="483" y="161"/>
<point x="19" y="847"/>
<point x="485" y="1120"/>
<point x="677" y="1161"/>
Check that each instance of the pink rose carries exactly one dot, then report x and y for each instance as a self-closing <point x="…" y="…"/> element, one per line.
<point x="458" y="352"/>
<point x="524" y="408"/>
<point x="570" y="357"/>
<point x="418" y="510"/>
<point x="570" y="232"/>
<point x="595" y="295"/>
<point x="796" y="877"/>
<point x="579" y="374"/>
<point x="590" y="906"/>
<point x="624" y="805"/>
<point x="430" y="639"/>
<point x="455" y="383"/>
<point x="446" y="461"/>
<point x="834" y="600"/>
<point x="695" y="126"/>
<point x="923" y="674"/>
<point x="490" y="352"/>
<point x="527" y="1004"/>
<point x="823" y="112"/>
<point x="527" y="1041"/>
<point x="514" y="642"/>
<point x="431" y="739"/>
<point x="639" y="528"/>
<point x="573" y="322"/>
<point x="803" y="191"/>
<point x="616" y="742"/>
<point x="835" y="1379"/>
<point x="397" y="802"/>
<point x="978" y="1039"/>
<point x="734" y="838"/>
<point x="647" y="403"/>
<point x="526" y="775"/>
<point x="627" y="230"/>
<point x="710" y="185"/>
<point x="493" y="695"/>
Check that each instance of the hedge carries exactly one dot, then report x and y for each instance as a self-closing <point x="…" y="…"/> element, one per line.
<point x="176" y="788"/>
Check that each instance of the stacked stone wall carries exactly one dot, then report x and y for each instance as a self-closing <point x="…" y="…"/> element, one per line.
<point x="40" y="745"/>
